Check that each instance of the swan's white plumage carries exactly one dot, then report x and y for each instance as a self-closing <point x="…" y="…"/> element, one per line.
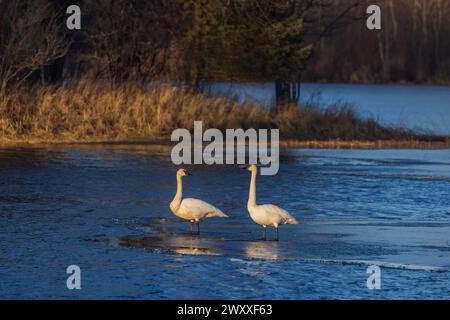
<point x="192" y="209"/>
<point x="270" y="215"/>
<point x="195" y="209"/>
<point x="266" y="214"/>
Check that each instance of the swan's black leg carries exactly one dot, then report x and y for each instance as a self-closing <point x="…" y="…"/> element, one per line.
<point x="192" y="227"/>
<point x="198" y="227"/>
<point x="276" y="233"/>
<point x="264" y="233"/>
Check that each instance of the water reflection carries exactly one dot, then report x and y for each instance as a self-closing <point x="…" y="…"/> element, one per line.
<point x="268" y="250"/>
<point x="192" y="245"/>
<point x="185" y="245"/>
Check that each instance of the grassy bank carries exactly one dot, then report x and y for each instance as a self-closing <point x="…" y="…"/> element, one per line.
<point x="94" y="112"/>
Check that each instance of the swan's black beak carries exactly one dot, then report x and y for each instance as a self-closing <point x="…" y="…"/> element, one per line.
<point x="243" y="167"/>
<point x="188" y="173"/>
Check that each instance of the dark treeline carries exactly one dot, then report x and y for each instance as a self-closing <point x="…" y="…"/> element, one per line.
<point x="194" y="42"/>
<point x="413" y="46"/>
<point x="190" y="42"/>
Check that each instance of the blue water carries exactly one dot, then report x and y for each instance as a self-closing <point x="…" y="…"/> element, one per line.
<point x="105" y="209"/>
<point x="423" y="108"/>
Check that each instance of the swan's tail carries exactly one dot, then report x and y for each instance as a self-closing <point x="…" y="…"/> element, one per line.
<point x="292" y="220"/>
<point x="217" y="214"/>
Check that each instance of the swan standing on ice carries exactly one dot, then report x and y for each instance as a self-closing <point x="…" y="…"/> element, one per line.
<point x="266" y="214"/>
<point x="193" y="210"/>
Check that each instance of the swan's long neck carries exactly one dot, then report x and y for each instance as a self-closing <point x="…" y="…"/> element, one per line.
<point x="179" y="195"/>
<point x="252" y="192"/>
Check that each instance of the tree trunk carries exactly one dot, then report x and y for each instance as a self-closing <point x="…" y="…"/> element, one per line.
<point x="54" y="72"/>
<point x="286" y="92"/>
<point x="194" y="80"/>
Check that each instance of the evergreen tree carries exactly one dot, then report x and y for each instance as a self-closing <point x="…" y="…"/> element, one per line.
<point x="237" y="40"/>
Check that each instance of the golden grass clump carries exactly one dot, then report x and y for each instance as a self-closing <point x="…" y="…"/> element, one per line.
<point x="95" y="111"/>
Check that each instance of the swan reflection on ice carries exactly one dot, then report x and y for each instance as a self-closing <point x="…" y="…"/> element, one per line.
<point x="179" y="244"/>
<point x="262" y="250"/>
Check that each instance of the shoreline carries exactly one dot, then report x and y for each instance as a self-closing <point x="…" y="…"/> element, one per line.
<point x="284" y="144"/>
<point x="366" y="144"/>
<point x="89" y="113"/>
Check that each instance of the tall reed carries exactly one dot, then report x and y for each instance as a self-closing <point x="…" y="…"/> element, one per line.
<point x="88" y="111"/>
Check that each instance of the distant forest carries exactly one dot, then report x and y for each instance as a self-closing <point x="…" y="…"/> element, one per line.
<point x="199" y="41"/>
<point x="413" y="46"/>
<point x="140" y="69"/>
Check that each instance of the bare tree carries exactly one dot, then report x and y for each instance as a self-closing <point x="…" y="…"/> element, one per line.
<point x="128" y="40"/>
<point x="30" y="38"/>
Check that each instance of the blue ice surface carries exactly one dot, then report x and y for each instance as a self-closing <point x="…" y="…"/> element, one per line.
<point x="105" y="209"/>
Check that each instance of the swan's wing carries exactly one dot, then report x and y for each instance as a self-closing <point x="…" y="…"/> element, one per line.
<point x="285" y="216"/>
<point x="200" y="209"/>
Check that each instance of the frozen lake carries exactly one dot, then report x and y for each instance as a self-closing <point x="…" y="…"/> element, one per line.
<point x="424" y="108"/>
<point x="105" y="209"/>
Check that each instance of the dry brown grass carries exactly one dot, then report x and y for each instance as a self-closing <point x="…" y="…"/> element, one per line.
<point x="96" y="112"/>
<point x="365" y="144"/>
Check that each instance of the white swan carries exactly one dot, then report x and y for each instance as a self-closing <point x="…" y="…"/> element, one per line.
<point x="193" y="210"/>
<point x="266" y="214"/>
